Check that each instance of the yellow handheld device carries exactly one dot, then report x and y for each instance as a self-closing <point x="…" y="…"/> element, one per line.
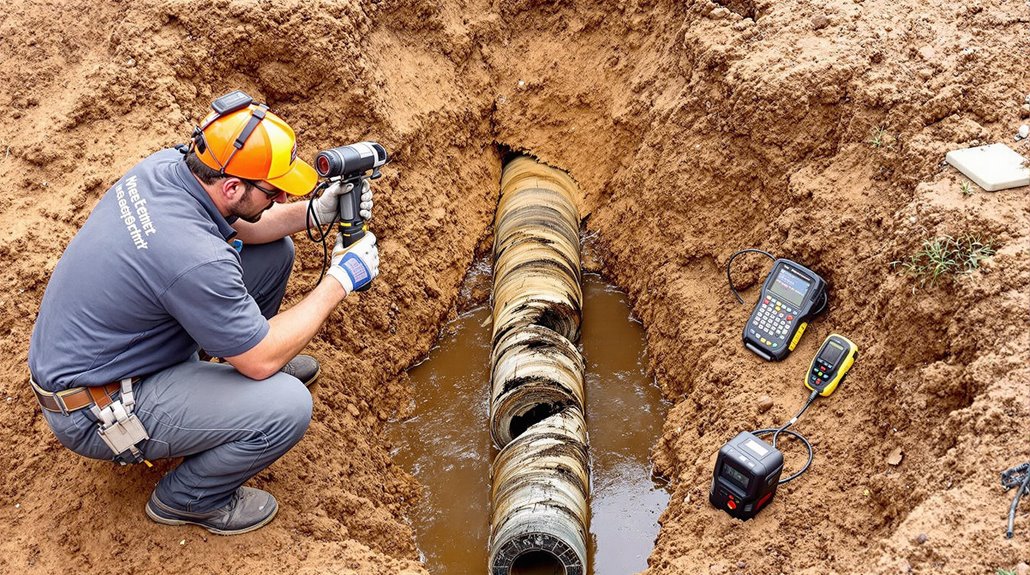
<point x="831" y="364"/>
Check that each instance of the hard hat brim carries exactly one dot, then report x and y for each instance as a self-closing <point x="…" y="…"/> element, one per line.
<point x="299" y="181"/>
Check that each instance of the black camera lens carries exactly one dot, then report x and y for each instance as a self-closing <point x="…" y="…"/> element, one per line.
<point x="350" y="160"/>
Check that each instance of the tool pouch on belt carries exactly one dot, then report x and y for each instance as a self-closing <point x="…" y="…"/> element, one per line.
<point x="119" y="427"/>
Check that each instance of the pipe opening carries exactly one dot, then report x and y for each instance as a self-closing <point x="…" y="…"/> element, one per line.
<point x="537" y="563"/>
<point x="520" y="423"/>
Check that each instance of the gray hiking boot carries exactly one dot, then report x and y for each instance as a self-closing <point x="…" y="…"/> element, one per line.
<point x="249" y="509"/>
<point x="303" y="367"/>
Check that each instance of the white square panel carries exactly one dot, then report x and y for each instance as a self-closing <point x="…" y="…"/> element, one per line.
<point x="994" y="167"/>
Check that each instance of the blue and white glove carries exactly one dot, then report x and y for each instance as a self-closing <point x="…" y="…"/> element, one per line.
<point x="327" y="206"/>
<point x="357" y="266"/>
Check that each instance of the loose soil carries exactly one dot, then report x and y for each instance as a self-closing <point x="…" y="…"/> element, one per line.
<point x="812" y="129"/>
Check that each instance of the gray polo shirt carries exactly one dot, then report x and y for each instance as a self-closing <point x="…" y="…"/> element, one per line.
<point x="148" y="279"/>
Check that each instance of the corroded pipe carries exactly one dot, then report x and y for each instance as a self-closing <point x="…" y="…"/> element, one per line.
<point x="541" y="476"/>
<point x="536" y="251"/>
<point x="540" y="488"/>
<point x="536" y="373"/>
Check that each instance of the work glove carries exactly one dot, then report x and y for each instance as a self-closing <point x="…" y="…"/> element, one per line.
<point x="327" y="206"/>
<point x="356" y="266"/>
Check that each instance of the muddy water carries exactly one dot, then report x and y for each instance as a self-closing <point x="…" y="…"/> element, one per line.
<point x="446" y="443"/>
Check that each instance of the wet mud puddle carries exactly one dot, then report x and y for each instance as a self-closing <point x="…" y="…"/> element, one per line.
<point x="446" y="443"/>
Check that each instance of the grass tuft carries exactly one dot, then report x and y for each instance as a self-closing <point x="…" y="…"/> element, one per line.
<point x="878" y="137"/>
<point x="967" y="189"/>
<point x="945" y="255"/>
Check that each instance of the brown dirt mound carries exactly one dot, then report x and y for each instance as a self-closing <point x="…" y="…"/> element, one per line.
<point x="813" y="129"/>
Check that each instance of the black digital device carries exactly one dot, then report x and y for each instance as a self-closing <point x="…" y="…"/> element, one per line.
<point x="791" y="295"/>
<point x="235" y="100"/>
<point x="830" y="366"/>
<point x="747" y="473"/>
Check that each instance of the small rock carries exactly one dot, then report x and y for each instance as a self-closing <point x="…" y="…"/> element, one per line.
<point x="921" y="538"/>
<point x="764" y="403"/>
<point x="925" y="73"/>
<point x="719" y="13"/>
<point x="895" y="457"/>
<point x="182" y="542"/>
<point x="865" y="492"/>
<point x="522" y="83"/>
<point x="131" y="62"/>
<point x="1027" y="99"/>
<point x="431" y="289"/>
<point x="927" y="53"/>
<point x="1024" y="131"/>
<point x="1022" y="568"/>
<point x="353" y="410"/>
<point x="820" y="21"/>
<point x="741" y="564"/>
<point x="912" y="220"/>
<point x="17" y="505"/>
<point x="1024" y="111"/>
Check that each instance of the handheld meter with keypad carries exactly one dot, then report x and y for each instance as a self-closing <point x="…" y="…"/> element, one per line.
<point x="791" y="295"/>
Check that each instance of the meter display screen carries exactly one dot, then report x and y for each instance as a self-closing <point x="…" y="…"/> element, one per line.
<point x="832" y="352"/>
<point x="790" y="287"/>
<point x="735" y="476"/>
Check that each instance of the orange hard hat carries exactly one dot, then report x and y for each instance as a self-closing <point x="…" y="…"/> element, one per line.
<point x="254" y="144"/>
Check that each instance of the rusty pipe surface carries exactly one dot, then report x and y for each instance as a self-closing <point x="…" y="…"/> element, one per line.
<point x="540" y="487"/>
<point x="536" y="251"/>
<point x="536" y="373"/>
<point x="541" y="476"/>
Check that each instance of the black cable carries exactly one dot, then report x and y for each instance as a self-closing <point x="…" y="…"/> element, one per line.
<point x="1009" y="479"/>
<point x="826" y="301"/>
<point x="312" y="217"/>
<point x="730" y="262"/>
<point x="777" y="431"/>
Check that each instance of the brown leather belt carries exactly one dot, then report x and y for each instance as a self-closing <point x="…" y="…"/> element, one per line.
<point x="76" y="398"/>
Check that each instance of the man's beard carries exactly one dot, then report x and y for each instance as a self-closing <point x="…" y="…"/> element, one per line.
<point x="250" y="218"/>
<point x="253" y="219"/>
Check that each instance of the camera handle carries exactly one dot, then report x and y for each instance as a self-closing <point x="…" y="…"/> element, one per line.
<point x="352" y="226"/>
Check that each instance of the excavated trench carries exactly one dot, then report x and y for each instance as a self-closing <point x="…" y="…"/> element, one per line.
<point x="693" y="129"/>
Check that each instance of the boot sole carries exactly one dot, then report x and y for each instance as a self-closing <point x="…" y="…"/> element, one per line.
<point x="176" y="522"/>
<point x="313" y="378"/>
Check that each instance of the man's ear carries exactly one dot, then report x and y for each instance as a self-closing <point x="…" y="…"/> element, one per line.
<point x="232" y="188"/>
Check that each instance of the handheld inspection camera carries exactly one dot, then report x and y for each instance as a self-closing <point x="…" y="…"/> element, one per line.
<point x="348" y="165"/>
<point x="747" y="469"/>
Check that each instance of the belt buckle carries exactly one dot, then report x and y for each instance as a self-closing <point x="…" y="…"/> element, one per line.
<point x="60" y="404"/>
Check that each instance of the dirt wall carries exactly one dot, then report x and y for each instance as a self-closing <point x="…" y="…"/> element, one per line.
<point x="815" y="130"/>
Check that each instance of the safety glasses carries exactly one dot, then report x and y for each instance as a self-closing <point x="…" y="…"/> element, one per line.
<point x="271" y="194"/>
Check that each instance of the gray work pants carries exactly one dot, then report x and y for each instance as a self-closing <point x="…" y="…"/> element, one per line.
<point x="226" y="426"/>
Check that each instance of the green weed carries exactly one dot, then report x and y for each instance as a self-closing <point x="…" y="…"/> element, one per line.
<point x="945" y="255"/>
<point x="878" y="137"/>
<point x="967" y="189"/>
<point x="1000" y="571"/>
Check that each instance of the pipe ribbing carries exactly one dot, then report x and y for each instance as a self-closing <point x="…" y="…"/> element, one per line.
<point x="540" y="487"/>
<point x="536" y="373"/>
<point x="541" y="475"/>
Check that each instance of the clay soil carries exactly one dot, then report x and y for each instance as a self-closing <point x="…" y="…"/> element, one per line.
<point x="815" y="129"/>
